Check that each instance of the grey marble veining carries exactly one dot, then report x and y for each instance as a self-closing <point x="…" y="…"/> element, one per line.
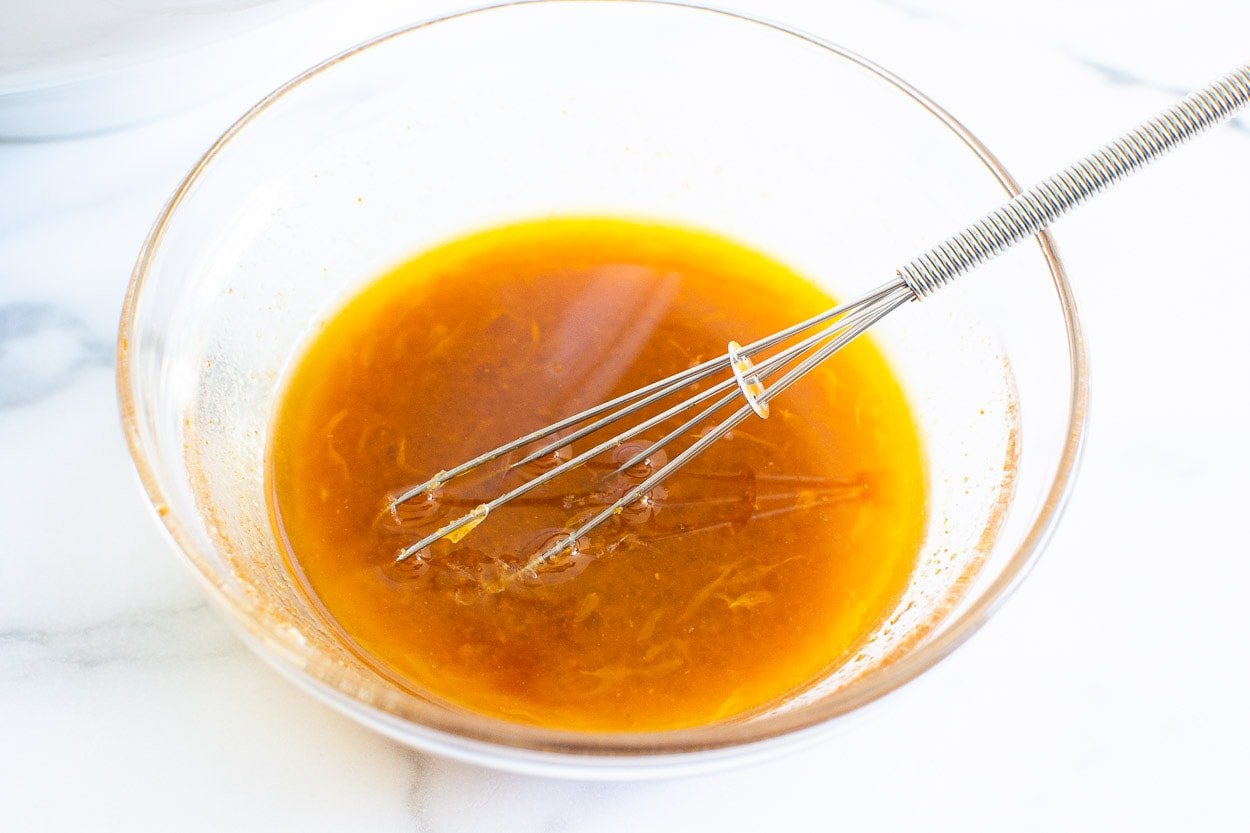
<point x="1124" y="78"/>
<point x="161" y="636"/>
<point x="42" y="348"/>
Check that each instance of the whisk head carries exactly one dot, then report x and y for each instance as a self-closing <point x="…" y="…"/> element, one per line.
<point x="740" y="376"/>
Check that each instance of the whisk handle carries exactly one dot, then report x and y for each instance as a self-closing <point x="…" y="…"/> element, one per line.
<point x="1039" y="207"/>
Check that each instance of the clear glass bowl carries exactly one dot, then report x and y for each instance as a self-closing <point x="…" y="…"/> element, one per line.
<point x="698" y="117"/>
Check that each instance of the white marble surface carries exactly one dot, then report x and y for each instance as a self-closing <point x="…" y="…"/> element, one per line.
<point x="1110" y="693"/>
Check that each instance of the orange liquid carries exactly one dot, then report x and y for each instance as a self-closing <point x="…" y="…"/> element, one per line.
<point x="755" y="570"/>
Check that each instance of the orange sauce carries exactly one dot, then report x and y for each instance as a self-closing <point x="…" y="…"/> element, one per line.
<point x="756" y="569"/>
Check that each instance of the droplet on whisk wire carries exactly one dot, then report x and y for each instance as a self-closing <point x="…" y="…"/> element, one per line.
<point x="557" y="569"/>
<point x="644" y="468"/>
<point x="541" y="465"/>
<point x="643" y="509"/>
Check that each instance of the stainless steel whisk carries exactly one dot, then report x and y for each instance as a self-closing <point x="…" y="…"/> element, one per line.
<point x="824" y="334"/>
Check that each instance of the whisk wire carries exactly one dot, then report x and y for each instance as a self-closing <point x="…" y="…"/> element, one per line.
<point x="858" y="318"/>
<point x="650" y="393"/>
<point x="846" y="316"/>
<point x="663" y="473"/>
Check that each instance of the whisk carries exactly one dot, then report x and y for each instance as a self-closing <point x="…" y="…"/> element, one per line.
<point x="743" y="369"/>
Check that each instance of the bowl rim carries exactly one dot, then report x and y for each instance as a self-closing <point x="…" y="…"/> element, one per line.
<point x="481" y="738"/>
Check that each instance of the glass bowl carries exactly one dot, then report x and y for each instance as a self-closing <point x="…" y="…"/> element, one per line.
<point x="693" y="116"/>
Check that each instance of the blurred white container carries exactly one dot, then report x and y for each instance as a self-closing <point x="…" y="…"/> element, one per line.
<point x="81" y="66"/>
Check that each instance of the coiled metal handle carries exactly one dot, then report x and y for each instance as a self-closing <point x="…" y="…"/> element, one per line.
<point x="1041" y="205"/>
